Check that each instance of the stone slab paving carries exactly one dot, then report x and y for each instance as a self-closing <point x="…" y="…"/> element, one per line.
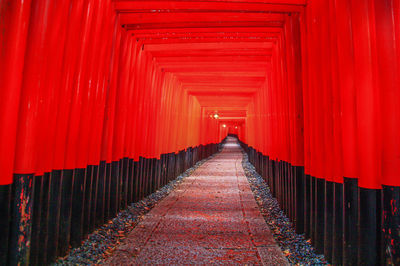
<point x="211" y="218"/>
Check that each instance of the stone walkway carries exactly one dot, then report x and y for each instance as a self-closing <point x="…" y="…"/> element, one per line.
<point x="211" y="218"/>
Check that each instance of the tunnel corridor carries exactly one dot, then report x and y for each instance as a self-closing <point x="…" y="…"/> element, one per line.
<point x="103" y="102"/>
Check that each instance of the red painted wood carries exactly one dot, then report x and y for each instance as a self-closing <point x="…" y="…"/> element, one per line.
<point x="308" y="82"/>
<point x="14" y="24"/>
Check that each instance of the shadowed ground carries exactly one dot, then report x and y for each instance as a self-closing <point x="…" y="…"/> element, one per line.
<point x="211" y="218"/>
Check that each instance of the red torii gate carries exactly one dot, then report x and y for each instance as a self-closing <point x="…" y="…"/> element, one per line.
<point x="104" y="91"/>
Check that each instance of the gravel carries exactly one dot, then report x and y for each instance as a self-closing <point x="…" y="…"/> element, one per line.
<point x="100" y="244"/>
<point x="296" y="248"/>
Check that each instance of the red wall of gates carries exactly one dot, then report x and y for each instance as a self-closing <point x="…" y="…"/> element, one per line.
<point x="332" y="106"/>
<point x="341" y="62"/>
<point x="80" y="90"/>
<point x="83" y="105"/>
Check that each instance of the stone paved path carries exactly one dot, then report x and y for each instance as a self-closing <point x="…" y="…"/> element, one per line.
<point x="211" y="218"/>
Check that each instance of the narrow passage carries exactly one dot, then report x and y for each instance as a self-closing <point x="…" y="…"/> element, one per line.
<point x="211" y="218"/>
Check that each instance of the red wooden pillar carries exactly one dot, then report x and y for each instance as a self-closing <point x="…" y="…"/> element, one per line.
<point x="387" y="18"/>
<point x="368" y="127"/>
<point x="28" y="147"/>
<point x="14" y="23"/>
<point x="73" y="151"/>
<point x="307" y="120"/>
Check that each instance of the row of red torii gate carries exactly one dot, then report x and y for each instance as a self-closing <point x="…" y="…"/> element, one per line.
<point x="104" y="101"/>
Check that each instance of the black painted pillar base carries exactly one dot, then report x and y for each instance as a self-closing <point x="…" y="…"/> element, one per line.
<point x="177" y="164"/>
<point x="147" y="176"/>
<point x="284" y="199"/>
<point x="312" y="208"/>
<point x="350" y="215"/>
<point x="292" y="192"/>
<point x="131" y="184"/>
<point x="173" y="162"/>
<point x="44" y="219"/>
<point x="141" y="178"/>
<point x="107" y="192"/>
<point x="265" y="166"/>
<point x="87" y="202"/>
<point x="274" y="178"/>
<point x="5" y="214"/>
<point x="136" y="167"/>
<point x="87" y="199"/>
<point x="367" y="226"/>
<point x="299" y="201"/>
<point x="101" y="191"/>
<point x="67" y="181"/>
<point x="114" y="189"/>
<point x="36" y="216"/>
<point x="77" y="207"/>
<point x="54" y="215"/>
<point x="152" y="175"/>
<point x="163" y="170"/>
<point x="391" y="224"/>
<point x="158" y="174"/>
<point x="271" y="176"/>
<point x="337" y="245"/>
<point x="328" y="231"/>
<point x="124" y="183"/>
<point x="94" y="198"/>
<point x="319" y="215"/>
<point x="307" y="206"/>
<point x="21" y="226"/>
<point x="155" y="174"/>
<point x="267" y="171"/>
